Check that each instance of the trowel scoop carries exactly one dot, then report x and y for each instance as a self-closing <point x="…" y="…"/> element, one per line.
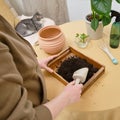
<point x="80" y="75"/>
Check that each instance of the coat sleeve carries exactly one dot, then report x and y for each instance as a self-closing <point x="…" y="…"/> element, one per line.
<point x="14" y="104"/>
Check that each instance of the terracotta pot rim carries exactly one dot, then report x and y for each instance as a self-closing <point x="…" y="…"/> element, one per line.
<point x="48" y="27"/>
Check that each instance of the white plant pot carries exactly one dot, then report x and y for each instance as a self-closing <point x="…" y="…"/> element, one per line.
<point x="94" y="34"/>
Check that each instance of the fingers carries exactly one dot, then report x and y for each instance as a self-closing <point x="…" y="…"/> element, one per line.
<point x="51" y="57"/>
<point x="81" y="86"/>
<point x="78" y="86"/>
<point x="72" y="83"/>
<point x="48" y="69"/>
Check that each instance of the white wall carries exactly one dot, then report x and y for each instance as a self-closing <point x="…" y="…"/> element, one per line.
<point x="77" y="9"/>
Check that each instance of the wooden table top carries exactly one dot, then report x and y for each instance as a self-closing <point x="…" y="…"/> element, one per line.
<point x="104" y="94"/>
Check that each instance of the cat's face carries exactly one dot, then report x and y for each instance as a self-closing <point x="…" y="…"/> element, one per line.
<point x="37" y="16"/>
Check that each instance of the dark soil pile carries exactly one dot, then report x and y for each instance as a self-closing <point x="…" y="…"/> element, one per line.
<point x="71" y="64"/>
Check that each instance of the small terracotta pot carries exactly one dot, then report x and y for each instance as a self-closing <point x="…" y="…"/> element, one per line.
<point x="51" y="39"/>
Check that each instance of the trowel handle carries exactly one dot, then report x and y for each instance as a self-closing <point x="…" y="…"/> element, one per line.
<point x="77" y="81"/>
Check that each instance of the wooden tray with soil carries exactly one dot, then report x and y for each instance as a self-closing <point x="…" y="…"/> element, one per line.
<point x="71" y="60"/>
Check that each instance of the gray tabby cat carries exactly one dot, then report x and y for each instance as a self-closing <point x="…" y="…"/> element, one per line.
<point x="29" y="26"/>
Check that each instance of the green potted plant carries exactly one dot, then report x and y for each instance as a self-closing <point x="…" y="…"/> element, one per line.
<point x="100" y="14"/>
<point x="82" y="39"/>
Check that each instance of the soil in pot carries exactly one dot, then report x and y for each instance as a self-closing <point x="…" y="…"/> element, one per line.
<point x="90" y="17"/>
<point x="73" y="63"/>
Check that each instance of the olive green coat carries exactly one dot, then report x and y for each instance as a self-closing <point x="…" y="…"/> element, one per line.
<point x="22" y="87"/>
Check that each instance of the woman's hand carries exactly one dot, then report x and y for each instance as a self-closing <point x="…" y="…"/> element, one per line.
<point x="43" y="63"/>
<point x="70" y="94"/>
<point x="73" y="92"/>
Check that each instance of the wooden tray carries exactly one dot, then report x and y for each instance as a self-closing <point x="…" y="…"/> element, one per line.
<point x="55" y="64"/>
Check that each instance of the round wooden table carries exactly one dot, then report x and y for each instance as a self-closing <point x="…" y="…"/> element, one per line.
<point x="102" y="100"/>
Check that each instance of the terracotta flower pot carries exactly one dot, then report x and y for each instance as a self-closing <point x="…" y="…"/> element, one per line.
<point x="51" y="39"/>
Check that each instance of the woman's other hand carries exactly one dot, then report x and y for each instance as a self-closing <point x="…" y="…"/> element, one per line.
<point x="43" y="63"/>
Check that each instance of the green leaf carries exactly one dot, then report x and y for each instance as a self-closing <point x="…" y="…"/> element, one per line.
<point x="94" y="23"/>
<point x="77" y="35"/>
<point x="102" y="6"/>
<point x="83" y="36"/>
<point x="106" y="20"/>
<point x="118" y="1"/>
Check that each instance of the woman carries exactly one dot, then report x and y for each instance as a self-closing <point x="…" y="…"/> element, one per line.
<point x="22" y="87"/>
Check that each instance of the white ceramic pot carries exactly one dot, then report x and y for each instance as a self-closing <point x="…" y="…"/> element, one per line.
<point x="94" y="34"/>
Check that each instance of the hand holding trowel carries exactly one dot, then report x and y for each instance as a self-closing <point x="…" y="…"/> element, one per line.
<point x="80" y="75"/>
